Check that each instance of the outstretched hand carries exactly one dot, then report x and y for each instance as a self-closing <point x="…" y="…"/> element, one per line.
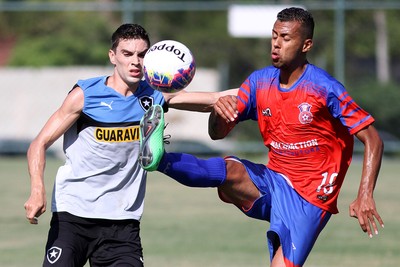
<point x="223" y="117"/>
<point x="226" y="108"/>
<point x="364" y="209"/>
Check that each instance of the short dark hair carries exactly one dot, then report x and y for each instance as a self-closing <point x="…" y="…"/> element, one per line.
<point x="300" y="15"/>
<point x="129" y="31"/>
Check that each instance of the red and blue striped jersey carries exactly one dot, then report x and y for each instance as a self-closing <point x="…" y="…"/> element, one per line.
<point x="307" y="128"/>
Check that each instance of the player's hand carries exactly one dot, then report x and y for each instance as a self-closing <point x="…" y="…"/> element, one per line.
<point x="364" y="209"/>
<point x="35" y="206"/>
<point x="226" y="108"/>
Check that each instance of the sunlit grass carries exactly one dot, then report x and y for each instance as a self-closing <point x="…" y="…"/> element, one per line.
<point x="191" y="227"/>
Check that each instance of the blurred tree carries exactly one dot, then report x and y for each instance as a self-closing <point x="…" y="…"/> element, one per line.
<point x="382" y="102"/>
<point x="58" y="38"/>
<point x="381" y="47"/>
<point x="82" y="38"/>
<point x="63" y="39"/>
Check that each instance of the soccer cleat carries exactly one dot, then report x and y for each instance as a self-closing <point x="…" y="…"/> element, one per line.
<point x="151" y="138"/>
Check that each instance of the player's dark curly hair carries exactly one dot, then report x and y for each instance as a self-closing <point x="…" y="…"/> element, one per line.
<point x="300" y="15"/>
<point x="129" y="31"/>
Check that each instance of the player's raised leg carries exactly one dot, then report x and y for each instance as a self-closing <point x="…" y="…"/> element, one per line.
<point x="185" y="168"/>
<point x="236" y="187"/>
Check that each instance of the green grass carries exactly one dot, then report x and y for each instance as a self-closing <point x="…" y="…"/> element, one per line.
<point x="191" y="227"/>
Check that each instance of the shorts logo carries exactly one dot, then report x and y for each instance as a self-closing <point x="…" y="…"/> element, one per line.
<point x="146" y="102"/>
<point x="305" y="115"/>
<point x="53" y="254"/>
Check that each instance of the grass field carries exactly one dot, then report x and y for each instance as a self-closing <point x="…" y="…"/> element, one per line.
<point x="190" y="227"/>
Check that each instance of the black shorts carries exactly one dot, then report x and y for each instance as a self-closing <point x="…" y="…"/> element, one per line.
<point x="73" y="240"/>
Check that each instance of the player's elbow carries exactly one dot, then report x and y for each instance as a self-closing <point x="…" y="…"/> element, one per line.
<point x="217" y="134"/>
<point x="214" y="135"/>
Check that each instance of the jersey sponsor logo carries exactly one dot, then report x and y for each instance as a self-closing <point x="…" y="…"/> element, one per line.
<point x="53" y="254"/>
<point x="305" y="115"/>
<point x="129" y="134"/>
<point x="146" y="102"/>
<point x="295" y="146"/>
<point x="296" y="149"/>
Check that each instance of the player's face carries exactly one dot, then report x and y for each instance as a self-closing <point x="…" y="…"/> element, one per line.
<point x="128" y="60"/>
<point x="288" y="44"/>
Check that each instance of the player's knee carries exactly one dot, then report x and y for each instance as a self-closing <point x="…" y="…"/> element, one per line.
<point x="235" y="170"/>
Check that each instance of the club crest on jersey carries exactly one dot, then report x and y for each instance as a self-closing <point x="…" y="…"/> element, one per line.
<point x="146" y="102"/>
<point x="305" y="115"/>
<point x="53" y="254"/>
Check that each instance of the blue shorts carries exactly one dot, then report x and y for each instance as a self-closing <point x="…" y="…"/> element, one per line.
<point x="294" y="223"/>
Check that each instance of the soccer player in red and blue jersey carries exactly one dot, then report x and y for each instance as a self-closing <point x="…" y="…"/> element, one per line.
<point x="307" y="121"/>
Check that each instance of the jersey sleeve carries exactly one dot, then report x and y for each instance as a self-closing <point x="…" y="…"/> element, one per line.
<point x="247" y="100"/>
<point x="343" y="107"/>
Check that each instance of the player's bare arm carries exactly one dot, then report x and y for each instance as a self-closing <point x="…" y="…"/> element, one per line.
<point x="364" y="208"/>
<point x="196" y="101"/>
<point x="223" y="117"/>
<point x="57" y="125"/>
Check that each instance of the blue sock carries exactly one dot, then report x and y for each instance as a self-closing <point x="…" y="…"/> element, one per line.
<point x="192" y="171"/>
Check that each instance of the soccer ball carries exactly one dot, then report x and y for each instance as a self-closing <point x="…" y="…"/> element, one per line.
<point x="169" y="66"/>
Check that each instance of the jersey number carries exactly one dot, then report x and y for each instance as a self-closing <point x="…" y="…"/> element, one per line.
<point x="327" y="185"/>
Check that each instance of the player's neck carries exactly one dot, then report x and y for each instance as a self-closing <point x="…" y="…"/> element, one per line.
<point x="288" y="77"/>
<point x="120" y="86"/>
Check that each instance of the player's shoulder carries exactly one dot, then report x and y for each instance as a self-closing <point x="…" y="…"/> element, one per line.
<point x="320" y="75"/>
<point x="145" y="89"/>
<point x="263" y="76"/>
<point x="90" y="82"/>
<point x="268" y="71"/>
<point x="322" y="81"/>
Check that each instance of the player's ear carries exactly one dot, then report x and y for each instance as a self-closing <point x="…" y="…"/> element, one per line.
<point x="307" y="45"/>
<point x="111" y="55"/>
